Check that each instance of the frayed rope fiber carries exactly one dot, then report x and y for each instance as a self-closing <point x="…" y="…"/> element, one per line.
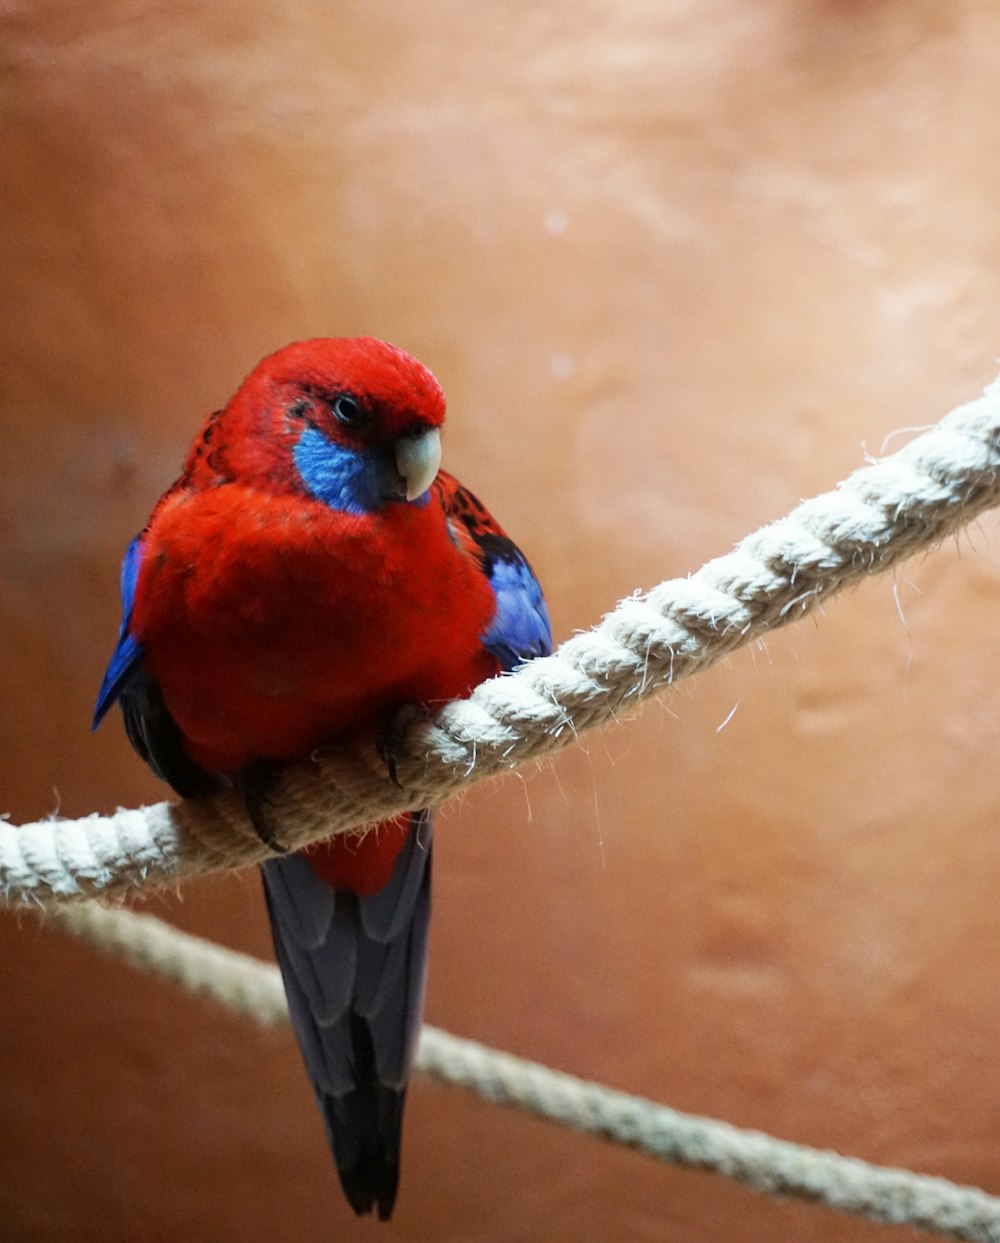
<point x="253" y="988"/>
<point x="878" y="516"/>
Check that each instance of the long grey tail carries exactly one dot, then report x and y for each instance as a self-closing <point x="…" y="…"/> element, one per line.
<point x="354" y="970"/>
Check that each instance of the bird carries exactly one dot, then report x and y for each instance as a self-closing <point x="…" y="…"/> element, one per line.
<point x="314" y="578"/>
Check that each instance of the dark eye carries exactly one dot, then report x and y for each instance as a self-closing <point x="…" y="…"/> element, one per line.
<point x="348" y="411"/>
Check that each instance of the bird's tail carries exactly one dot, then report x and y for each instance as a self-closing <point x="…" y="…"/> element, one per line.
<point x="354" y="969"/>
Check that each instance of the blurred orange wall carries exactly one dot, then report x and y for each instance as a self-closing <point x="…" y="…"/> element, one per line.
<point x="677" y="266"/>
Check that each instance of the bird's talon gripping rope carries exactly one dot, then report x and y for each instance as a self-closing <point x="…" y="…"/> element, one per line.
<point x="390" y="739"/>
<point x="254" y="784"/>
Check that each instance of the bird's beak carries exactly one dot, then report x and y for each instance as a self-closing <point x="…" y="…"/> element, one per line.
<point x="418" y="459"/>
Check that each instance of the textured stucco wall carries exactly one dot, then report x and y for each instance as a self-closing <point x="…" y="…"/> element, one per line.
<point x="677" y="266"/>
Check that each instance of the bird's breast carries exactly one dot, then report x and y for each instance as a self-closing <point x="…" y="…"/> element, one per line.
<point x="274" y="625"/>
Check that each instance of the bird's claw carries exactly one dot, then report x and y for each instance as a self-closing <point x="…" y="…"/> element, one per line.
<point x="253" y="783"/>
<point x="390" y="738"/>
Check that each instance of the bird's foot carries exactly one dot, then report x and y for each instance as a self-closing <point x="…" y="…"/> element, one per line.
<point x="390" y="738"/>
<point x="253" y="784"/>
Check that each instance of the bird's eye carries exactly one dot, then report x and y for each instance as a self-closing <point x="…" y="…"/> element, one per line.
<point x="348" y="411"/>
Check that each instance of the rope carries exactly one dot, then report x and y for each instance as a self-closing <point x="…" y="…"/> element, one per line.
<point x="881" y="514"/>
<point x="253" y="988"/>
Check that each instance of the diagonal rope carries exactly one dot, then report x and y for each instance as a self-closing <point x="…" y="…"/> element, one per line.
<point x="250" y="987"/>
<point x="879" y="515"/>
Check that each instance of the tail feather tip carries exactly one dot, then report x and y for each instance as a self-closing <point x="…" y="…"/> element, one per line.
<point x="371" y="1188"/>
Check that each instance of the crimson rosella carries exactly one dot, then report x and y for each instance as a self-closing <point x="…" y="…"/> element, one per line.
<point x="310" y="578"/>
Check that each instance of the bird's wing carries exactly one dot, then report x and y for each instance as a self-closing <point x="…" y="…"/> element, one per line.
<point x="520" y="629"/>
<point x="150" y="727"/>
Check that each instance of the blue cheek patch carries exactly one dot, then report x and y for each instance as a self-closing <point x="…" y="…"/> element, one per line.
<point x="351" y="481"/>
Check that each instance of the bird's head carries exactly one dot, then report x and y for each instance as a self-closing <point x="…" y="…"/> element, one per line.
<point x="352" y="421"/>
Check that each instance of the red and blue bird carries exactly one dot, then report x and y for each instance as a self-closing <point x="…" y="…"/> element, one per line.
<point x="311" y="578"/>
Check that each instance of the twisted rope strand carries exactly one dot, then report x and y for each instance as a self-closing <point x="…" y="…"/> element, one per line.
<point x="879" y="515"/>
<point x="253" y="988"/>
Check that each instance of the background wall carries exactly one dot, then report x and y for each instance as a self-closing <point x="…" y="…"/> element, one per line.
<point x="677" y="266"/>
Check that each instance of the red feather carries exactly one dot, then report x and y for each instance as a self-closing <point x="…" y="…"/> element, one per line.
<point x="275" y="625"/>
<point x="360" y="862"/>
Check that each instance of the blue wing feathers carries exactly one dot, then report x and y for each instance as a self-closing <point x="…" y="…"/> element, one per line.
<point x="128" y="654"/>
<point x="520" y="629"/>
<point x="150" y="727"/>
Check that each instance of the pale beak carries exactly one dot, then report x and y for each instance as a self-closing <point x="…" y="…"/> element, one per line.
<point x="418" y="459"/>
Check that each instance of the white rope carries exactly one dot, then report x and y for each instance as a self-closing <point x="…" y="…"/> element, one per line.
<point x="881" y="514"/>
<point x="250" y="987"/>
